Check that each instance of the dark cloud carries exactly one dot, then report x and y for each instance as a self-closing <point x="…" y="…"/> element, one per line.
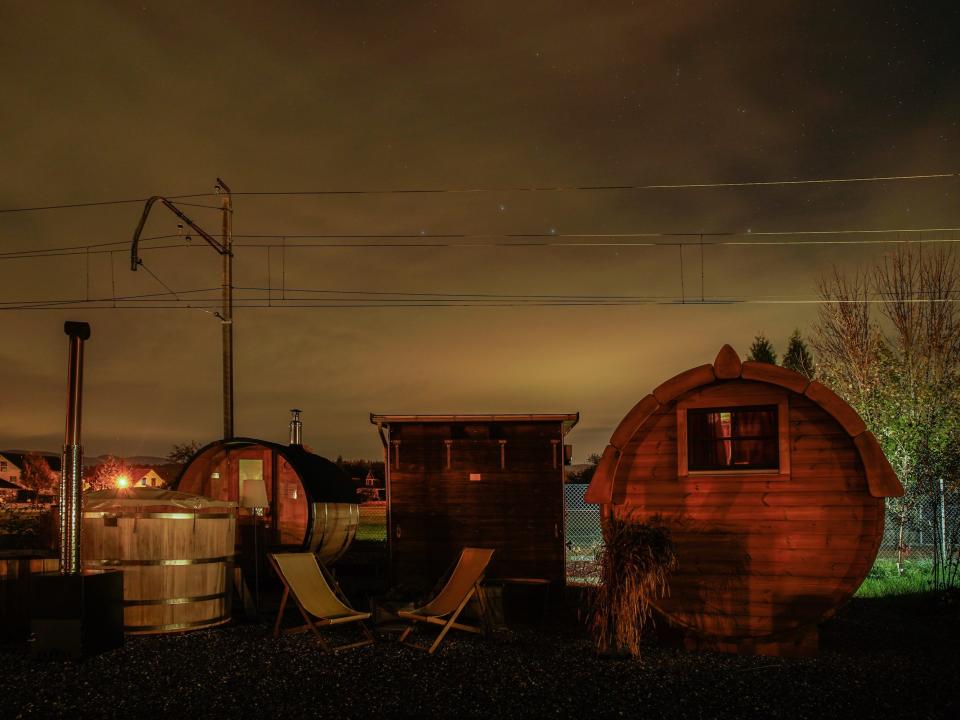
<point x="129" y="100"/>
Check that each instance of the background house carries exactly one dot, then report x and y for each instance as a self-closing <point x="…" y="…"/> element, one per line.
<point x="13" y="471"/>
<point x="371" y="488"/>
<point x="154" y="476"/>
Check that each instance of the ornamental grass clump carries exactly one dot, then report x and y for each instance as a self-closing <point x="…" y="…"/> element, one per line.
<point x="635" y="563"/>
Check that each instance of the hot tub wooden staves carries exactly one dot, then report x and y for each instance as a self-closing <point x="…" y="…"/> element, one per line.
<point x="773" y="489"/>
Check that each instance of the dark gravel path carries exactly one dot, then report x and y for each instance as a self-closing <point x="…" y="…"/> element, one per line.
<point x="879" y="660"/>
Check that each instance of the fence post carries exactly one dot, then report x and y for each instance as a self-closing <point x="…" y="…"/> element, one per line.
<point x="943" y="527"/>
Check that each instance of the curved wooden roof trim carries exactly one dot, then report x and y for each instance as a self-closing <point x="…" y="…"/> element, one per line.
<point x="684" y="382"/>
<point x="837" y="407"/>
<point x="633" y="420"/>
<point x="775" y="375"/>
<point x="600" y="491"/>
<point x="881" y="479"/>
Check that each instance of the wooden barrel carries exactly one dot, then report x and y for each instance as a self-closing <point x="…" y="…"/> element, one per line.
<point x="176" y="554"/>
<point x="333" y="527"/>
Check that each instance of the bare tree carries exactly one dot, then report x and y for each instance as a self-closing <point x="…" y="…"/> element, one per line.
<point x="182" y="453"/>
<point x="888" y="340"/>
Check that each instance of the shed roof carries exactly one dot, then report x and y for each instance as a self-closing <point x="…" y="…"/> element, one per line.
<point x="567" y="420"/>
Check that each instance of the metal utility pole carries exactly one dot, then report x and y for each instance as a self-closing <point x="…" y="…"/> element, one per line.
<point x="226" y="320"/>
<point x="224" y="247"/>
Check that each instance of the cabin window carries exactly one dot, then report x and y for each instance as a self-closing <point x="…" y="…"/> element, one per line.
<point x="733" y="438"/>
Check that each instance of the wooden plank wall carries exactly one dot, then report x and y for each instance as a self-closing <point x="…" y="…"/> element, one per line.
<point x="436" y="510"/>
<point x="759" y="556"/>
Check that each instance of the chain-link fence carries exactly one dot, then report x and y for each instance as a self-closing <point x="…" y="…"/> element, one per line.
<point x="373" y="522"/>
<point x="583" y="535"/>
<point x="924" y="530"/>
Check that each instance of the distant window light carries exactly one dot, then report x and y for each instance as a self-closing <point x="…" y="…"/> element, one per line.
<point x="215" y="476"/>
<point x="474" y="477"/>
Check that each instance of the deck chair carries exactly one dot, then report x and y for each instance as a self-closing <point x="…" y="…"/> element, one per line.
<point x="444" y="609"/>
<point x="319" y="599"/>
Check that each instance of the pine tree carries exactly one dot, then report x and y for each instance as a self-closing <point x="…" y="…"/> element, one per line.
<point x="798" y="357"/>
<point x="762" y="350"/>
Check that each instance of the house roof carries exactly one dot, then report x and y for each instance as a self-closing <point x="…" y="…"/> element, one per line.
<point x="17" y="459"/>
<point x="4" y="485"/>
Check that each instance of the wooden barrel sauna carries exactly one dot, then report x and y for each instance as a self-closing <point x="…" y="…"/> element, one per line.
<point x="312" y="504"/>
<point x="773" y="490"/>
<point x="176" y="551"/>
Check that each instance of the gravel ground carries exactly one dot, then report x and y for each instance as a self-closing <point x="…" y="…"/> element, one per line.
<point x="879" y="659"/>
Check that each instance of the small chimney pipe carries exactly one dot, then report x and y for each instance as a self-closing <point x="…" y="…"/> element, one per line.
<point x="72" y="460"/>
<point x="296" y="428"/>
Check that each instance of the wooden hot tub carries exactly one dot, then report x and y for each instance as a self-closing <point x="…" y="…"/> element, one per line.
<point x="176" y="551"/>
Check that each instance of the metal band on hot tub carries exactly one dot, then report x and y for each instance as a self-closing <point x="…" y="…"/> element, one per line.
<point x="176" y="626"/>
<point x="161" y="515"/>
<point x="175" y="601"/>
<point x="182" y="561"/>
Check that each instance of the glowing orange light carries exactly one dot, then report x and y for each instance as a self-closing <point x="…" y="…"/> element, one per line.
<point x="123" y="481"/>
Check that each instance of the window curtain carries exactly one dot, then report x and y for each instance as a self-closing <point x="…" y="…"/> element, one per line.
<point x="753" y="426"/>
<point x="709" y="440"/>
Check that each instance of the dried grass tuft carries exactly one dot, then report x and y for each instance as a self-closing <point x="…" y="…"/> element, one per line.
<point x="635" y="563"/>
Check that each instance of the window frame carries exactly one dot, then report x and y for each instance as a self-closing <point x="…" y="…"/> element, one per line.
<point x="730" y="401"/>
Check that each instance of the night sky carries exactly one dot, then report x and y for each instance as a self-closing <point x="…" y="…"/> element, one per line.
<point x="107" y="101"/>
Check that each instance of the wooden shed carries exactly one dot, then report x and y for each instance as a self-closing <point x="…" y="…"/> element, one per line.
<point x="773" y="489"/>
<point x="475" y="480"/>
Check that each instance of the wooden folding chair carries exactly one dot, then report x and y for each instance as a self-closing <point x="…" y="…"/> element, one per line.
<point x="462" y="585"/>
<point x="319" y="599"/>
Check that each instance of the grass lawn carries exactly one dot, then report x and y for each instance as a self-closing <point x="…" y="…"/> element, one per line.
<point x="885" y="580"/>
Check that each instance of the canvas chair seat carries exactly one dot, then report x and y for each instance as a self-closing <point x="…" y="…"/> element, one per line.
<point x="317" y="597"/>
<point x="444" y="609"/>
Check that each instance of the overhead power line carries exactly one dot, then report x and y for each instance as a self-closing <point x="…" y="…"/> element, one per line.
<point x="505" y="189"/>
<point x="385" y="299"/>
<point x="647" y="239"/>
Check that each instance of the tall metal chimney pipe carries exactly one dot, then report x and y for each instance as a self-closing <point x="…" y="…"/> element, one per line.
<point x="296" y="428"/>
<point x="72" y="461"/>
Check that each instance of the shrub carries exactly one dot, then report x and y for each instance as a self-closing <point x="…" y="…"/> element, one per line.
<point x="18" y="530"/>
<point x="635" y="562"/>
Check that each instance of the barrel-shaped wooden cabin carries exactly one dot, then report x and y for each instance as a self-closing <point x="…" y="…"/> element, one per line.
<point x="773" y="490"/>
<point x="311" y="503"/>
